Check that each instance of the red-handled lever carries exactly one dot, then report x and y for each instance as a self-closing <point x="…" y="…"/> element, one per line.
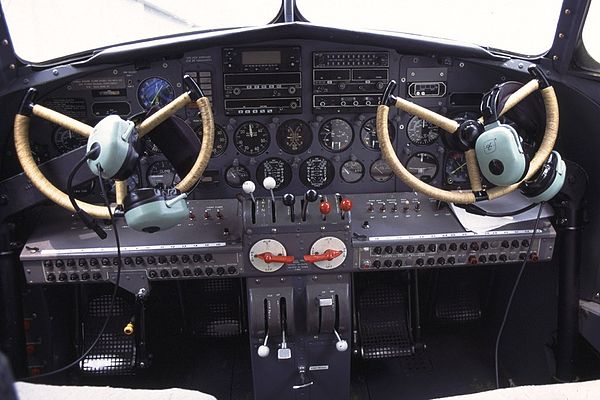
<point x="268" y="257"/>
<point x="327" y="255"/>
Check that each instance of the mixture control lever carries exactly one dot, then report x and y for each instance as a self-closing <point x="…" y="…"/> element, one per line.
<point x="345" y="206"/>
<point x="324" y="208"/>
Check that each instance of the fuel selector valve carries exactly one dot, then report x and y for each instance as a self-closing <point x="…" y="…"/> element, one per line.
<point x="327" y="253"/>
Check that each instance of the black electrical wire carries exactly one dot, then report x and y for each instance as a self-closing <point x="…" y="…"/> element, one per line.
<point x="116" y="288"/>
<point x="512" y="295"/>
<point x="474" y="209"/>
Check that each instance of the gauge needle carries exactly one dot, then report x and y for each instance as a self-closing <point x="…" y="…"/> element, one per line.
<point x="459" y="167"/>
<point x="346" y="170"/>
<point x="156" y="95"/>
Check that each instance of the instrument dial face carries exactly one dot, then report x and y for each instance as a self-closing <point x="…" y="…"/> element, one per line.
<point x="266" y="246"/>
<point x="277" y="169"/>
<point x="423" y="165"/>
<point x="236" y="175"/>
<point x="252" y="138"/>
<point x="294" y="136"/>
<point x="155" y="92"/>
<point x="368" y="134"/>
<point x="352" y="171"/>
<point x="220" y="143"/>
<point x="421" y="132"/>
<point x="162" y="175"/>
<point x="65" y="140"/>
<point x="380" y="171"/>
<point x="316" y="172"/>
<point x="455" y="170"/>
<point x="336" y="135"/>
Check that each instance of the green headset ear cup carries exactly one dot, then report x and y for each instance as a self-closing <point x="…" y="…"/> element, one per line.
<point x="500" y="155"/>
<point x="146" y="209"/>
<point x="548" y="181"/>
<point x="117" y="140"/>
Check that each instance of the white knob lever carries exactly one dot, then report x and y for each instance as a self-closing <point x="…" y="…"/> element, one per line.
<point x="340" y="345"/>
<point x="249" y="187"/>
<point x="269" y="183"/>
<point x="263" y="349"/>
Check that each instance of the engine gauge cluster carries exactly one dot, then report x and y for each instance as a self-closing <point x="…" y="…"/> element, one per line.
<point x="276" y="168"/>
<point x="316" y="172"/>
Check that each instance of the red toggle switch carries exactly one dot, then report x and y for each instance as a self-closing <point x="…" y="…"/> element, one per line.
<point x="327" y="255"/>
<point x="268" y="257"/>
<point x="346" y="204"/>
<point x="325" y="207"/>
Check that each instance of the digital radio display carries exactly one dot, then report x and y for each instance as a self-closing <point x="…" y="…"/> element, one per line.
<point x="261" y="57"/>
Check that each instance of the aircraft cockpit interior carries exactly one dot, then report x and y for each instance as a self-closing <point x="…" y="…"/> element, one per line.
<point x="292" y="199"/>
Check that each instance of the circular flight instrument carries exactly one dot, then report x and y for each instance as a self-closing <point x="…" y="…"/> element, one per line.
<point x="155" y="92"/>
<point x="455" y="169"/>
<point x="294" y="136"/>
<point x="368" y="134"/>
<point x="380" y="171"/>
<point x="276" y="168"/>
<point x="324" y="244"/>
<point x="266" y="246"/>
<point x="352" y="171"/>
<point x="423" y="165"/>
<point x="316" y="172"/>
<point x="336" y="135"/>
<point x="421" y="132"/>
<point x="236" y="175"/>
<point x="220" y="142"/>
<point x="162" y="175"/>
<point x="65" y="140"/>
<point x="252" y="138"/>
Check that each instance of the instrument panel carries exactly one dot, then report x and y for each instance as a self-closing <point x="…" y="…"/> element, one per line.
<point x="303" y="114"/>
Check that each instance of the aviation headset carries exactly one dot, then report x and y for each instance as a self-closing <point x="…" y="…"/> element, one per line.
<point x="116" y="157"/>
<point x="500" y="154"/>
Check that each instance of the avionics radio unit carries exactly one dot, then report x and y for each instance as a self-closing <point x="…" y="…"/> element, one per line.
<point x="262" y="80"/>
<point x="349" y="80"/>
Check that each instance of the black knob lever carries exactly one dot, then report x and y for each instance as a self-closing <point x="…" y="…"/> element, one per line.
<point x="309" y="197"/>
<point x="289" y="200"/>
